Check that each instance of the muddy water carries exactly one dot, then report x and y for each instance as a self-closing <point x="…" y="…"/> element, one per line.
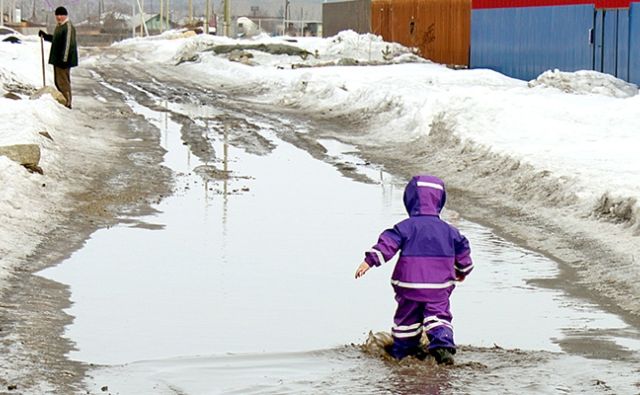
<point x="248" y="268"/>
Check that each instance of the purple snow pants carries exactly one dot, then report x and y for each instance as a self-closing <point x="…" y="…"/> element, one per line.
<point x="413" y="317"/>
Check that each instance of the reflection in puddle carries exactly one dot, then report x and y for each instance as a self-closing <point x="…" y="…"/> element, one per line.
<point x="500" y="306"/>
<point x="271" y="269"/>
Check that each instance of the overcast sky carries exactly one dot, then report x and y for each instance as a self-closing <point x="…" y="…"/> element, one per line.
<point x="80" y="9"/>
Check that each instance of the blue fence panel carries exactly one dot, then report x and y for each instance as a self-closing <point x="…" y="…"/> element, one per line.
<point x="634" y="43"/>
<point x="610" y="32"/>
<point x="526" y="41"/>
<point x="598" y="59"/>
<point x="622" y="67"/>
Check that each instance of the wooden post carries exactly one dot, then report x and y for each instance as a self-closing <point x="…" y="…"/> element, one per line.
<point x="227" y="18"/>
<point x="207" y="16"/>
<point x="141" y="9"/>
<point x="161" y="19"/>
<point x="42" y="57"/>
<point x="285" y="18"/>
<point x="168" y="14"/>
<point x="143" y="28"/>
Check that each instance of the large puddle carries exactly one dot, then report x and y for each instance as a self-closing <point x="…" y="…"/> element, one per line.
<point x="258" y="259"/>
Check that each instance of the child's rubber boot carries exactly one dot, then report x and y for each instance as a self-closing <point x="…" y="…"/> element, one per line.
<point x="389" y="349"/>
<point x="401" y="351"/>
<point x="443" y="356"/>
<point x="420" y="353"/>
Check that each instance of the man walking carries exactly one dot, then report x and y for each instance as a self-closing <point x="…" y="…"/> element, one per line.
<point x="64" y="52"/>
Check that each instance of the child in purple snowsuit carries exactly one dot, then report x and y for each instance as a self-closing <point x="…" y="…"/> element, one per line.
<point x="433" y="256"/>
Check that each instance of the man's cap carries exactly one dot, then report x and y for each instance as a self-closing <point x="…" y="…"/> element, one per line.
<point x="61" y="11"/>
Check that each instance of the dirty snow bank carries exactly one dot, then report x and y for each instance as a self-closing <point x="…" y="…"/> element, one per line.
<point x="32" y="205"/>
<point x="585" y="82"/>
<point x="347" y="47"/>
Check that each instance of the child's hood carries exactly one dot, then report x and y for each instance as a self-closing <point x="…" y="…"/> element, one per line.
<point x="424" y="195"/>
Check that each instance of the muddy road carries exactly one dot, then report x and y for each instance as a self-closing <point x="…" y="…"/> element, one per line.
<point x="223" y="264"/>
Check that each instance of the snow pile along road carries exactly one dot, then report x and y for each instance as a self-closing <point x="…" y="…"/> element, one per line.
<point x="92" y="170"/>
<point x="31" y="204"/>
<point x="78" y="156"/>
<point x="585" y="82"/>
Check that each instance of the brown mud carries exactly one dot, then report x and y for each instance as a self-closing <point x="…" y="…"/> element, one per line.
<point x="366" y="369"/>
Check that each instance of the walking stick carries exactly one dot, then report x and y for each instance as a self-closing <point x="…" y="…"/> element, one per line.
<point x="42" y="57"/>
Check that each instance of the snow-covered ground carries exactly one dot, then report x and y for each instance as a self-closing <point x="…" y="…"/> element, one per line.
<point x="32" y="205"/>
<point x="578" y="129"/>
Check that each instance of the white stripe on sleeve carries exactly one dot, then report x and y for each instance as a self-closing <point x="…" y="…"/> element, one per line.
<point x="463" y="270"/>
<point x="379" y="255"/>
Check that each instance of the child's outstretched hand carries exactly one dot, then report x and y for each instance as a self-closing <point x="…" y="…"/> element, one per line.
<point x="362" y="269"/>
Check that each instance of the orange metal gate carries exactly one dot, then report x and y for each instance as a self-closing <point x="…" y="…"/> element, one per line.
<point x="440" y="29"/>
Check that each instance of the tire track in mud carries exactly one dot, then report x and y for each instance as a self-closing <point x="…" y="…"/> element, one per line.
<point x="238" y="117"/>
<point x="151" y="93"/>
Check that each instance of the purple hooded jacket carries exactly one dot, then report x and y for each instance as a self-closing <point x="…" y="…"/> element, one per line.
<point x="432" y="252"/>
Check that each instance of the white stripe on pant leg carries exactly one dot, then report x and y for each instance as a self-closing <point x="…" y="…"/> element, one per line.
<point x="433" y="321"/>
<point x="406" y="334"/>
<point x="435" y="318"/>
<point x="436" y="324"/>
<point x="406" y="327"/>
